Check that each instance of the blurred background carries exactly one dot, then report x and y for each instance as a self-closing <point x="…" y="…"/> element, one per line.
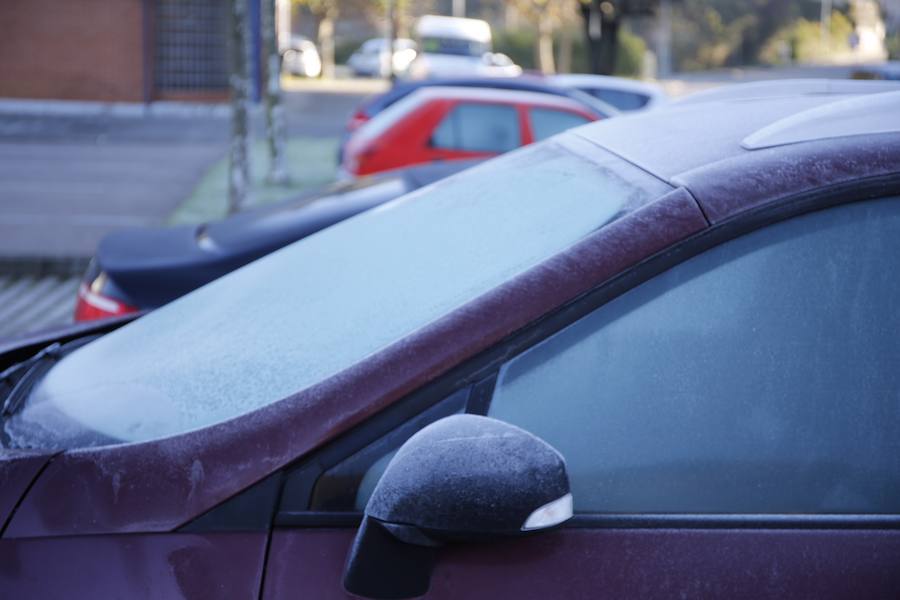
<point x="137" y="113"/>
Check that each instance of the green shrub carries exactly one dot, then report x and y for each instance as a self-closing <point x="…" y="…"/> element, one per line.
<point x="801" y="41"/>
<point x="630" y="56"/>
<point x="519" y="45"/>
<point x="344" y="48"/>
<point x="892" y="43"/>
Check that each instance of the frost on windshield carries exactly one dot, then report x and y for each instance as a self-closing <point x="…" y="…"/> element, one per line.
<point x="316" y="307"/>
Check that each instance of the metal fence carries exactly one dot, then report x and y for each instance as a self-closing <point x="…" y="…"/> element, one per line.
<point x="191" y="45"/>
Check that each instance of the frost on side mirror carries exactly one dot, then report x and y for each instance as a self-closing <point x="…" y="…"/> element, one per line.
<point x="463" y="478"/>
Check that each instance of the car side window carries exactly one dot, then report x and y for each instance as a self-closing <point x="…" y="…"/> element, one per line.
<point x="478" y="127"/>
<point x="546" y="122"/>
<point x="759" y="377"/>
<point x="620" y="99"/>
<point x="347" y="485"/>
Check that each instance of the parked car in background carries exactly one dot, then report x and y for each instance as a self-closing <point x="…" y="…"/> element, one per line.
<point x="401" y="89"/>
<point x="457" y="123"/>
<point x="456" y="47"/>
<point x="301" y="58"/>
<point x="373" y="59"/>
<point x="624" y="94"/>
<point x="695" y="306"/>
<point x="142" y="268"/>
<point x="889" y="70"/>
<point x="373" y="105"/>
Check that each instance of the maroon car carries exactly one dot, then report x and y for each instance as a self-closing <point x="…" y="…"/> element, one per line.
<point x="680" y="326"/>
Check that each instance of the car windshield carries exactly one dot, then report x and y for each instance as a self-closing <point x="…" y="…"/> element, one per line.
<point x="455" y="46"/>
<point x="320" y="305"/>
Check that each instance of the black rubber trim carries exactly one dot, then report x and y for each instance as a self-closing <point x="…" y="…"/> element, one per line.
<point x="302" y="477"/>
<point x="721" y="521"/>
<point x="480" y="398"/>
<point x="319" y="519"/>
<point x="250" y="510"/>
<point x="337" y="487"/>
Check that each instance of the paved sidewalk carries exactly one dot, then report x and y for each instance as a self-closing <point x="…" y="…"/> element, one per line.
<point x="71" y="172"/>
<point x="60" y="199"/>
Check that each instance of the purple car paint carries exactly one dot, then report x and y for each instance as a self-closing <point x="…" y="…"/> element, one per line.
<point x="18" y="469"/>
<point x="223" y="565"/>
<point x="613" y="564"/>
<point x="787" y="171"/>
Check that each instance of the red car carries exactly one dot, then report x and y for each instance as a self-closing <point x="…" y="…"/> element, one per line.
<point x="447" y="123"/>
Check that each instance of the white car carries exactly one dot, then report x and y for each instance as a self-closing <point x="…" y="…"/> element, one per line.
<point x="624" y="94"/>
<point x="455" y="47"/>
<point x="373" y="59"/>
<point x="301" y="58"/>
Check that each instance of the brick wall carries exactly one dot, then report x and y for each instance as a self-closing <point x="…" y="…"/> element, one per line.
<point x="72" y="49"/>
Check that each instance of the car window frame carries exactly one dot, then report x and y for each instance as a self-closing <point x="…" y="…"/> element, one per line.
<point x="480" y="374"/>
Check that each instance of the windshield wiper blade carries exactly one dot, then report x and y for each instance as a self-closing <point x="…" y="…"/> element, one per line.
<point x="21" y="376"/>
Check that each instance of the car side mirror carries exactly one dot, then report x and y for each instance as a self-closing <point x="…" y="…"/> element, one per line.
<point x="496" y="59"/>
<point x="462" y="478"/>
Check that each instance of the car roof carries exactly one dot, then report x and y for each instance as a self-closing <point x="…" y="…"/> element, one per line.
<point x="761" y="90"/>
<point x="663" y="141"/>
<point x="383" y="42"/>
<point x="496" y="95"/>
<point x="758" y="150"/>
<point x="607" y="82"/>
<point x="402" y="89"/>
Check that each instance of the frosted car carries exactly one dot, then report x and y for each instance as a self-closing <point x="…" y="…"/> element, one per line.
<point x="626" y="362"/>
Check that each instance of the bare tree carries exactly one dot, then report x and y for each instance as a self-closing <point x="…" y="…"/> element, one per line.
<point x="546" y="16"/>
<point x="275" y="126"/>
<point x="391" y="37"/>
<point x="327" y="11"/>
<point x="238" y="163"/>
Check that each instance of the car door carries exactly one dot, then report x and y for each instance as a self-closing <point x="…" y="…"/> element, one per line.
<point x="731" y="426"/>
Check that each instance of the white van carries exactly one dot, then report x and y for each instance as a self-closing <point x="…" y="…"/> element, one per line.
<point x="456" y="47"/>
